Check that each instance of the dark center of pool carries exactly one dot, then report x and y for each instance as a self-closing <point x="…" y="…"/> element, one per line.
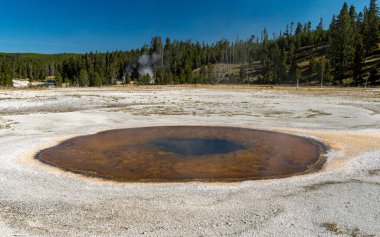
<point x="196" y="146"/>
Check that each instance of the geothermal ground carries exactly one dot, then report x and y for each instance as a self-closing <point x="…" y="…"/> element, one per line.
<point x="39" y="200"/>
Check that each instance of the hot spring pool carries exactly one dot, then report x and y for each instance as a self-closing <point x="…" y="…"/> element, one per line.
<point x="187" y="153"/>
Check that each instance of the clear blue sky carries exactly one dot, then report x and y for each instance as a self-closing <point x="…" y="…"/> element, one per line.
<point x="56" y="26"/>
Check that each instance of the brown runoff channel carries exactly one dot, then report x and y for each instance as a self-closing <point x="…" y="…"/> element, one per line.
<point x="187" y="153"/>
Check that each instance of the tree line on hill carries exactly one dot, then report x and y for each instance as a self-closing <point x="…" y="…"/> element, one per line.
<point x="343" y="54"/>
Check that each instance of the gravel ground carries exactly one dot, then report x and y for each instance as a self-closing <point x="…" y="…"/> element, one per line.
<point x="343" y="198"/>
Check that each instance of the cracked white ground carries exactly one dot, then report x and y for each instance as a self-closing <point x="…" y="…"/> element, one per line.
<point x="343" y="198"/>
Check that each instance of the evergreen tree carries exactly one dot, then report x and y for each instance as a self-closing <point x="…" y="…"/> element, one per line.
<point x="168" y="78"/>
<point x="182" y="76"/>
<point x="157" y="46"/>
<point x="83" y="78"/>
<point x="372" y="32"/>
<point x="315" y="67"/>
<point x="98" y="80"/>
<point x="189" y="75"/>
<point x="297" y="77"/>
<point x="320" y="25"/>
<point x="299" y="28"/>
<point x="31" y="79"/>
<point x="282" y="69"/>
<point x="8" y="80"/>
<point x="374" y="76"/>
<point x="66" y="81"/>
<point x="359" y="51"/>
<point x="342" y="44"/>
<point x="58" y="80"/>
<point x="127" y="78"/>
<point x="145" y="80"/>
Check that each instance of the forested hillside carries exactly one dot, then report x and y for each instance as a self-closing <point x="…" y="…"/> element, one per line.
<point x="344" y="53"/>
